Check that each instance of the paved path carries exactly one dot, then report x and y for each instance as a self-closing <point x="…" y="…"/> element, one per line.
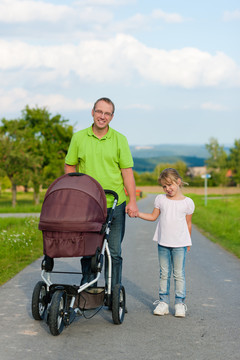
<point x="210" y="330"/>
<point x="20" y="215"/>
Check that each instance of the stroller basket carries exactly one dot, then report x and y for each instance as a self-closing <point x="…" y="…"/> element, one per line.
<point x="90" y="299"/>
<point x="73" y="216"/>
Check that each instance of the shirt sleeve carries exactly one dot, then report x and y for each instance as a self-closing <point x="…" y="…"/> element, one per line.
<point x="157" y="202"/>
<point x="190" y="207"/>
<point x="72" y="154"/>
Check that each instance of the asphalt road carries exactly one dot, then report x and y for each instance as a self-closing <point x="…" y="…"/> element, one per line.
<point x="210" y="331"/>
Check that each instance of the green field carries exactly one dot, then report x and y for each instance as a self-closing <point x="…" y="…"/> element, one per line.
<point x="24" y="203"/>
<point x="21" y="241"/>
<point x="219" y="220"/>
<point x="20" y="245"/>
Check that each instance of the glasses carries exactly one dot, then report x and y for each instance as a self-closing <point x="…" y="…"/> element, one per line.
<point x="105" y="114"/>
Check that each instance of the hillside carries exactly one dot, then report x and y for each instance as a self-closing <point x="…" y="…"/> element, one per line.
<point x="147" y="157"/>
<point x="150" y="151"/>
<point x="149" y="164"/>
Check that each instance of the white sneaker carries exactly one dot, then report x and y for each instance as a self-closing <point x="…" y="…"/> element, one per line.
<point x="180" y="310"/>
<point x="161" y="309"/>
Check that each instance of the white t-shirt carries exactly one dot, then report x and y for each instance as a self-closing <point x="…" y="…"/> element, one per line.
<point x="172" y="229"/>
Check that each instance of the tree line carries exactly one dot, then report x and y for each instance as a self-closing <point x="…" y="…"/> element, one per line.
<point x="33" y="148"/>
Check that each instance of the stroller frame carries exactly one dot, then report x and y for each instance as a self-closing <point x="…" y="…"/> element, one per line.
<point x="59" y="304"/>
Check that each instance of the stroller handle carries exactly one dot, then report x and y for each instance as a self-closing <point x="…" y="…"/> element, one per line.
<point x="75" y="174"/>
<point x="111" y="192"/>
<point x="106" y="226"/>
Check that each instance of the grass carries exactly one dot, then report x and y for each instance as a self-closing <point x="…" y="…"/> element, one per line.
<point x="21" y="241"/>
<point x="24" y="203"/>
<point x="219" y="220"/>
<point x="20" y="245"/>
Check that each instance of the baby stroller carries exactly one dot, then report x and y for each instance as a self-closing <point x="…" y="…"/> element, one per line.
<point x="74" y="223"/>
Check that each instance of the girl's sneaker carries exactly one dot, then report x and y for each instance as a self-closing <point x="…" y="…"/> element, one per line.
<point x="180" y="310"/>
<point x="161" y="309"/>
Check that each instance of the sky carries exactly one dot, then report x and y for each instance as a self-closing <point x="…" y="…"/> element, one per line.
<point x="172" y="68"/>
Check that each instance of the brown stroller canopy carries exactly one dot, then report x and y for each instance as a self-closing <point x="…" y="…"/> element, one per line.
<point x="74" y="202"/>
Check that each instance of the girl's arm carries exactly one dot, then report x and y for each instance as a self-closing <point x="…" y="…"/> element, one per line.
<point x="189" y="224"/>
<point x="150" y="217"/>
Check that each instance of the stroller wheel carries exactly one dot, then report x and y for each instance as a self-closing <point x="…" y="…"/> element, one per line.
<point x="118" y="304"/>
<point x="56" y="312"/>
<point x="39" y="300"/>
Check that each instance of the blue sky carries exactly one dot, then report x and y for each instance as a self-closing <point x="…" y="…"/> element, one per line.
<point x="172" y="68"/>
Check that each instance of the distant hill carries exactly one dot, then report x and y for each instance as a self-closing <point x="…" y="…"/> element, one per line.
<point x="169" y="150"/>
<point x="147" y="157"/>
<point x="149" y="164"/>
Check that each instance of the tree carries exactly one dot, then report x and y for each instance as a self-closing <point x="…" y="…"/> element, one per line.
<point x="14" y="160"/>
<point x="180" y="166"/>
<point x="50" y="137"/>
<point x="4" y="181"/>
<point x="147" y="178"/>
<point x="217" y="162"/>
<point x="234" y="161"/>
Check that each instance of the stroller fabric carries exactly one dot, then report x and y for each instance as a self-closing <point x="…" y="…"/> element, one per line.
<point x="73" y="216"/>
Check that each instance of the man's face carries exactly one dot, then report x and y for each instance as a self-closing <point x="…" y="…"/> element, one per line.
<point x="102" y="115"/>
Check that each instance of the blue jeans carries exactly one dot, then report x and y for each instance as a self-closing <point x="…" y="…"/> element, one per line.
<point x="172" y="260"/>
<point x="115" y="239"/>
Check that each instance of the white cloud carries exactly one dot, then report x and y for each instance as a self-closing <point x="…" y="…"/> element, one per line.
<point x="140" y="21"/>
<point x="90" y="19"/>
<point x="167" y="17"/>
<point x="123" y="59"/>
<point x="187" y="67"/>
<point x="27" y="10"/>
<point x="90" y="13"/>
<point x="105" y="2"/>
<point x="213" y="106"/>
<point x="17" y="98"/>
<point x="231" y="15"/>
<point x="135" y="22"/>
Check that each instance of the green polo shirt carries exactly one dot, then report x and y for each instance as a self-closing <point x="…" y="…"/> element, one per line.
<point x="102" y="159"/>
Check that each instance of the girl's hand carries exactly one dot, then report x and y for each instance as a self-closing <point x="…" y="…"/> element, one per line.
<point x="132" y="209"/>
<point x="188" y="248"/>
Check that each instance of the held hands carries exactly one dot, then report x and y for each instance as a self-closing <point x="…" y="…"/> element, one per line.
<point x="132" y="209"/>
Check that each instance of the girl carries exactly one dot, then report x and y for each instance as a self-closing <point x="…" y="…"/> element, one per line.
<point x="173" y="234"/>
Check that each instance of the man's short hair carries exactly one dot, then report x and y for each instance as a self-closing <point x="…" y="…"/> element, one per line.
<point x="107" y="100"/>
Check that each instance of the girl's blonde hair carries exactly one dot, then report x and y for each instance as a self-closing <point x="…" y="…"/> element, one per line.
<point x="170" y="175"/>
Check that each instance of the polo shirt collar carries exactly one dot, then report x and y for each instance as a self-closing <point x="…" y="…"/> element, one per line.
<point x="107" y="136"/>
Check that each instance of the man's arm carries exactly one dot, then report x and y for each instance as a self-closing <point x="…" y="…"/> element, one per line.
<point x="129" y="183"/>
<point x="69" y="168"/>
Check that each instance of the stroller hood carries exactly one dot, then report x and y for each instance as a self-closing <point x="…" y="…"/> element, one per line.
<point x="74" y="202"/>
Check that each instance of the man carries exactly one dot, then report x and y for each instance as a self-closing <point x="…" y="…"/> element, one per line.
<point x="104" y="154"/>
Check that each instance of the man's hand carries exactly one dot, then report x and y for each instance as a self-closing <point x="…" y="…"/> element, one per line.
<point x="129" y="183"/>
<point x="132" y="209"/>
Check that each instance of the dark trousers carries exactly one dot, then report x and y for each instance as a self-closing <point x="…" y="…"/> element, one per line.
<point x="116" y="235"/>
